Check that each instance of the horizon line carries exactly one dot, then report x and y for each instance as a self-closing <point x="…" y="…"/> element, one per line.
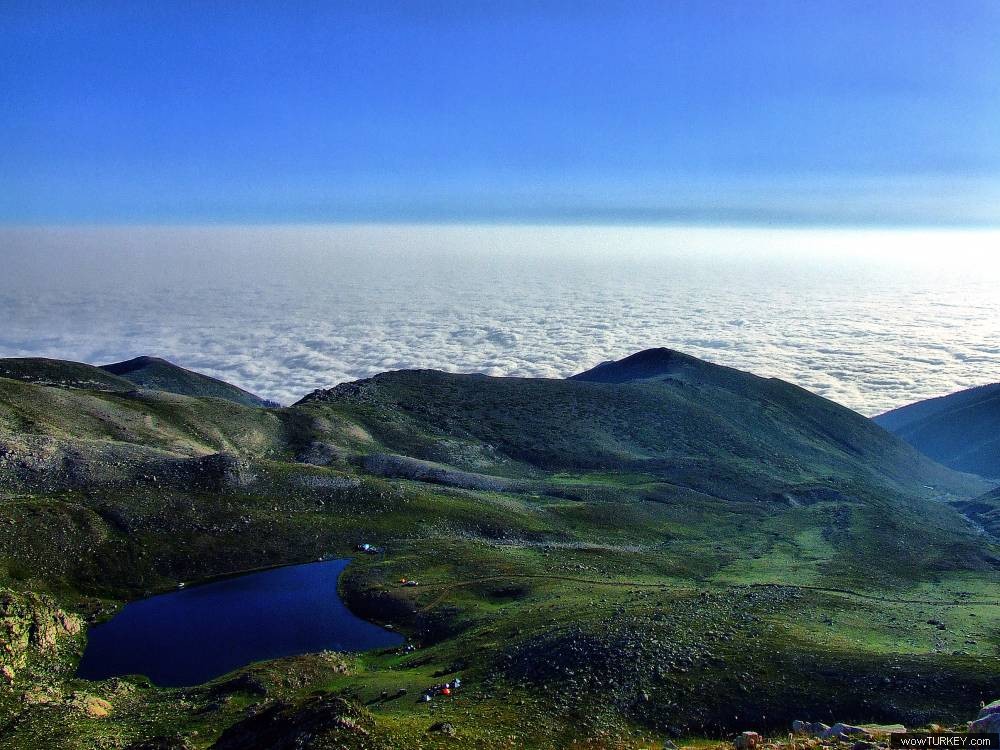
<point x="678" y="223"/>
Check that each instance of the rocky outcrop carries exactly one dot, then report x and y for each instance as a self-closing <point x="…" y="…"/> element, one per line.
<point x="838" y="731"/>
<point x="221" y="472"/>
<point x="320" y="453"/>
<point x="91" y="705"/>
<point x="47" y="464"/>
<point x="316" y="724"/>
<point x="41" y="463"/>
<point x="403" y="467"/>
<point x="33" y="631"/>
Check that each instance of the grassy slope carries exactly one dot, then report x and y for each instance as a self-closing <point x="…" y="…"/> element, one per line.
<point x="622" y="600"/>
<point x="735" y="442"/>
<point x="61" y="373"/>
<point x="158" y="374"/>
<point x="145" y="418"/>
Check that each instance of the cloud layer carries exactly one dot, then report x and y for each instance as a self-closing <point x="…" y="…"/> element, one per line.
<point x="870" y="319"/>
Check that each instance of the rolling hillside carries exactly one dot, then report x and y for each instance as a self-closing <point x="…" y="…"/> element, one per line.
<point x="61" y="373"/>
<point x="158" y="374"/>
<point x="148" y="373"/>
<point x="658" y="547"/>
<point x="700" y="426"/>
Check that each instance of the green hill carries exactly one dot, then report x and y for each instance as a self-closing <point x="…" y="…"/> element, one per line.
<point x="660" y="363"/>
<point x="61" y="373"/>
<point x="706" y="428"/>
<point x="158" y="374"/>
<point x="961" y="430"/>
<point x="150" y="373"/>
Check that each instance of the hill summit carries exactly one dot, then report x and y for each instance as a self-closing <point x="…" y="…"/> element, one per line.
<point x="154" y="373"/>
<point x="647" y="364"/>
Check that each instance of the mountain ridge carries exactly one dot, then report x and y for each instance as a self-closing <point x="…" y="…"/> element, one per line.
<point x="622" y="420"/>
<point x="148" y="372"/>
<point x="62" y="373"/>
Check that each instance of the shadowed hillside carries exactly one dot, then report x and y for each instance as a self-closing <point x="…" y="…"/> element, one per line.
<point x="961" y="430"/>
<point x="660" y="363"/>
<point x="984" y="511"/>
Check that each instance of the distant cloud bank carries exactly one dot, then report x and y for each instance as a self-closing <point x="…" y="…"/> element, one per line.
<point x="870" y="319"/>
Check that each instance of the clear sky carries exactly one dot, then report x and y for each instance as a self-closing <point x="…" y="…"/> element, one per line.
<point x="774" y="112"/>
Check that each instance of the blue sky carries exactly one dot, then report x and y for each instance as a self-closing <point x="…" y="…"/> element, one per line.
<point x="768" y="112"/>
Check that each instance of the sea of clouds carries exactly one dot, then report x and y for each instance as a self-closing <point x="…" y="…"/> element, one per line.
<point x="872" y="319"/>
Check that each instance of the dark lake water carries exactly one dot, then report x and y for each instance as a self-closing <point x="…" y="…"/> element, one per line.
<point x="188" y="637"/>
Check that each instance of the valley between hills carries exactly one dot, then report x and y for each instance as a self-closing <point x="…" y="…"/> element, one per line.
<point x="656" y="550"/>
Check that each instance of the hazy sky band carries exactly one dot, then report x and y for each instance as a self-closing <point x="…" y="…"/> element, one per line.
<point x="765" y="112"/>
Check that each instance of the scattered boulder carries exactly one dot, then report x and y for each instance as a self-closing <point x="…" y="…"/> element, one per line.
<point x="444" y="727"/>
<point x="809" y="728"/>
<point x="988" y="719"/>
<point x="990" y="708"/>
<point x="748" y="741"/>
<point x="161" y="743"/>
<point x="324" y="482"/>
<point x="840" y="731"/>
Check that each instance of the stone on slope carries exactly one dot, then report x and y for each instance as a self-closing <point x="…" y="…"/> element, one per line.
<point x="988" y="719"/>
